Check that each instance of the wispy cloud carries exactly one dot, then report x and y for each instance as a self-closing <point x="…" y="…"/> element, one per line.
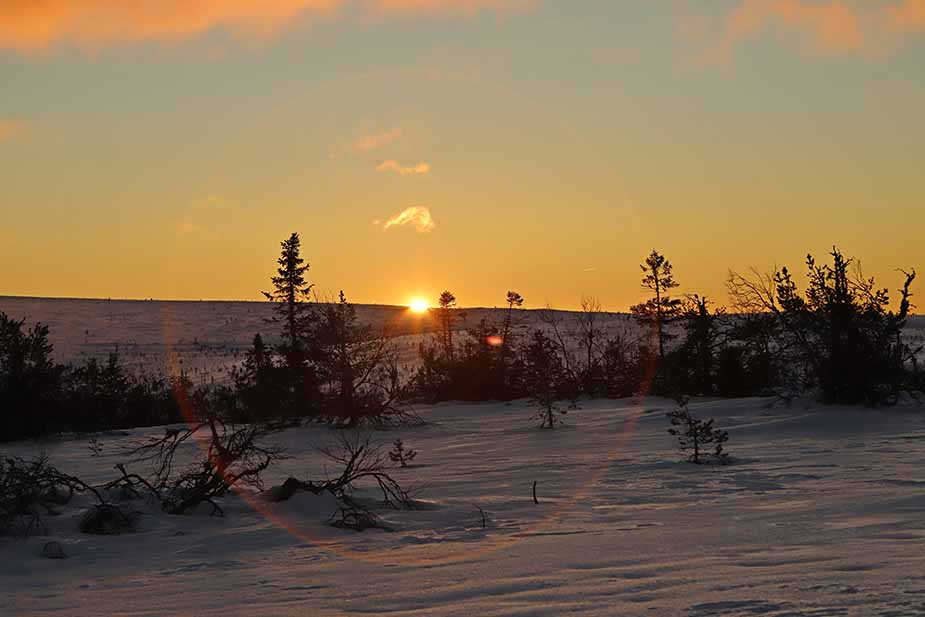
<point x="33" y="25"/>
<point x="375" y="141"/>
<point x="448" y="7"/>
<point x="10" y="129"/>
<point x="829" y="27"/>
<point x="414" y="170"/>
<point x="417" y="216"/>
<point x="209" y="202"/>
<point x="186" y="227"/>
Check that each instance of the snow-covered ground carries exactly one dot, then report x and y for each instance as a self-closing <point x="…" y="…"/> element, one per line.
<point x="205" y="339"/>
<point x="823" y="513"/>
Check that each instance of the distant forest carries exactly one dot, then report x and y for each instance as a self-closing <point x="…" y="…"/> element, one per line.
<point x="835" y="339"/>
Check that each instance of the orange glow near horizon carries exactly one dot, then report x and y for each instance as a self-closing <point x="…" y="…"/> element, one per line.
<point x="418" y="306"/>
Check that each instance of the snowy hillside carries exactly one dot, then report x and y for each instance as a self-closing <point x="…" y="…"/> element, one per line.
<point x="823" y="513"/>
<point x="206" y="338"/>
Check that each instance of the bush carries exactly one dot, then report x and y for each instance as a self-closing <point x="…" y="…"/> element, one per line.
<point x="108" y="520"/>
<point x="30" y="489"/>
<point x="30" y="383"/>
<point x="837" y="338"/>
<point x="697" y="438"/>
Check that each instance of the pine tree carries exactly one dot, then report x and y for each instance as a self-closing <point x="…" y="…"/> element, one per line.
<point x="544" y="376"/>
<point x="447" y="321"/>
<point x="661" y="308"/>
<point x="514" y="299"/>
<point x="696" y="436"/>
<point x="400" y="454"/>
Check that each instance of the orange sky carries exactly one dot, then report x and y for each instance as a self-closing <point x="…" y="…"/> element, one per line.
<point x="164" y="149"/>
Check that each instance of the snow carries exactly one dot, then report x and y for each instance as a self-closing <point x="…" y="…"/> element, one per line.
<point x="823" y="513"/>
<point x="205" y="339"/>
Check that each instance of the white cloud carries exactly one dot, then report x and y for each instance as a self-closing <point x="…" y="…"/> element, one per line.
<point x="418" y="216"/>
<point x="420" y="169"/>
<point x="376" y="141"/>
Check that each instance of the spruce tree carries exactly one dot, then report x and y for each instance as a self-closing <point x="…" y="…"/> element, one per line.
<point x="291" y="296"/>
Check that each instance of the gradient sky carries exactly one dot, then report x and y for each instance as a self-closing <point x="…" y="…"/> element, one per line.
<point x="159" y="148"/>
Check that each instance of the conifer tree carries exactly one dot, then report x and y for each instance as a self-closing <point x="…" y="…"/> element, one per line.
<point x="544" y="376"/>
<point x="358" y="366"/>
<point x="697" y="438"/>
<point x="256" y="381"/>
<point x="447" y="320"/>
<point x="661" y="307"/>
<point x="514" y="300"/>
<point x="291" y="296"/>
<point x="702" y="341"/>
<point x="400" y="454"/>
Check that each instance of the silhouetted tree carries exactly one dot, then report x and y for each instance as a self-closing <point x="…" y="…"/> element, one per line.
<point x="97" y="395"/>
<point x="30" y="382"/>
<point x="446" y="321"/>
<point x="359" y="367"/>
<point x="840" y="336"/>
<point x="702" y="342"/>
<point x="590" y="343"/>
<point x="544" y="376"/>
<point x="661" y="307"/>
<point x="508" y="361"/>
<point x="258" y="382"/>
<point x="514" y="299"/>
<point x="291" y="296"/>
<point x="555" y="321"/>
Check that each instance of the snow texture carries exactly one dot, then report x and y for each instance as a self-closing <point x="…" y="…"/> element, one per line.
<point x="823" y="513"/>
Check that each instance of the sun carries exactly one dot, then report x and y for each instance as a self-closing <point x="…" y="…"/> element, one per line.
<point x="418" y="305"/>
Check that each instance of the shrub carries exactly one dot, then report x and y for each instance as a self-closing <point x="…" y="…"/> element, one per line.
<point x="697" y="438"/>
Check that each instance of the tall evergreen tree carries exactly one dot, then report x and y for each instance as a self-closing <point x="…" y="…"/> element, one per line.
<point x="661" y="307"/>
<point x="514" y="299"/>
<point x="446" y="318"/>
<point x="291" y="295"/>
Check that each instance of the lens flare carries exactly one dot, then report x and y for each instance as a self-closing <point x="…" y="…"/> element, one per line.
<point x="418" y="305"/>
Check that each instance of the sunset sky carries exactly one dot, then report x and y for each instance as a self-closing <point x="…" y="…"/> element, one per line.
<point x="164" y="148"/>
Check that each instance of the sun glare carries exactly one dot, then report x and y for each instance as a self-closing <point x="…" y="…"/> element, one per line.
<point x="418" y="305"/>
